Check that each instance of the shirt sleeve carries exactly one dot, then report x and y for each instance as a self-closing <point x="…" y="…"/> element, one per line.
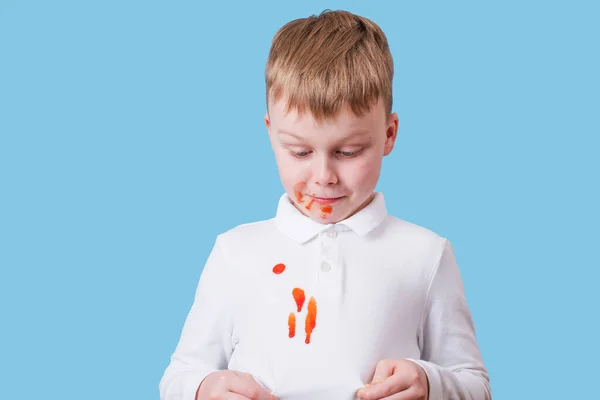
<point x="205" y="344"/>
<point x="450" y="354"/>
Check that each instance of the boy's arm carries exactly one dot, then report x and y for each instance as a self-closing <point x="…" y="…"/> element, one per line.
<point x="205" y="344"/>
<point x="450" y="354"/>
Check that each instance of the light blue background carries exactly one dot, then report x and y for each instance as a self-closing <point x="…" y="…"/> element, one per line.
<point x="131" y="134"/>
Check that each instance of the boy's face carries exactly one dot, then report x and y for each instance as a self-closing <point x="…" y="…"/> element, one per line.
<point x="330" y="169"/>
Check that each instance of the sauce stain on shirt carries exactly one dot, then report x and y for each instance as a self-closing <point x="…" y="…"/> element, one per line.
<point x="299" y="297"/>
<point x="311" y="318"/>
<point x="292" y="324"/>
<point x="279" y="268"/>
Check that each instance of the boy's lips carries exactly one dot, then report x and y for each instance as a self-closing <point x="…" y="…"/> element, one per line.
<point x="326" y="200"/>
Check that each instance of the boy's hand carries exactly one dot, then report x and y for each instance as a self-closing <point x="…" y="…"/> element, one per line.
<point x="232" y="385"/>
<point x="397" y="380"/>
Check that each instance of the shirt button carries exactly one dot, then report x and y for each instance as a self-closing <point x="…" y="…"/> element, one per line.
<point x="325" y="267"/>
<point x="332" y="234"/>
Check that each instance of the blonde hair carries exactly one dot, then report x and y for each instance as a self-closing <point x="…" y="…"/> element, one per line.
<point x="323" y="63"/>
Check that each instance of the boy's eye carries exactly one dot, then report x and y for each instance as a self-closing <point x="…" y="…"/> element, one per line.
<point x="349" y="153"/>
<point x="301" y="154"/>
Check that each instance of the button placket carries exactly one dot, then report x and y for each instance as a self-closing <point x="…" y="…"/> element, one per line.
<point x="325" y="266"/>
<point x="328" y="241"/>
<point x="328" y="267"/>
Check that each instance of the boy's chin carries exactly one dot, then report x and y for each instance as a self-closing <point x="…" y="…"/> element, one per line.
<point x="325" y="220"/>
<point x="333" y="218"/>
<point x="318" y="216"/>
<point x="330" y="213"/>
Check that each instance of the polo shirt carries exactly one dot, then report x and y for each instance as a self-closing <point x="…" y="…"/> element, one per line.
<point x="309" y="308"/>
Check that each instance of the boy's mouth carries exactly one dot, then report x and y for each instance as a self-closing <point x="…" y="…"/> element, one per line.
<point x="326" y="200"/>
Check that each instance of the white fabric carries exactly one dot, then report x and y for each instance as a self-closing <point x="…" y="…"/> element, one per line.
<point x="384" y="288"/>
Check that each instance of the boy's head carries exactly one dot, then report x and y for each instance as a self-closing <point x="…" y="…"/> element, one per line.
<point x="329" y="99"/>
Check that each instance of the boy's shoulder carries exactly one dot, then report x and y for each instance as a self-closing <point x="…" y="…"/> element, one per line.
<point x="405" y="227"/>
<point x="418" y="238"/>
<point x="250" y="231"/>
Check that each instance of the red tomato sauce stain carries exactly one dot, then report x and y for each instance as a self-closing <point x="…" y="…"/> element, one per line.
<point x="298" y="189"/>
<point x="299" y="297"/>
<point x="311" y="318"/>
<point x="326" y="211"/>
<point x="292" y="324"/>
<point x="279" y="268"/>
<point x="309" y="205"/>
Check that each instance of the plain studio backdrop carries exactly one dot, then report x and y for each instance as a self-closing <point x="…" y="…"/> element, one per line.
<point x="131" y="134"/>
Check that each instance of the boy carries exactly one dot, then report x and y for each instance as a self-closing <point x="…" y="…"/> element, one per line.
<point x="333" y="298"/>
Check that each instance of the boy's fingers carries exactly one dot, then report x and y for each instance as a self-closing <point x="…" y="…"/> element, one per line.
<point x="234" y="396"/>
<point x="241" y="384"/>
<point x="269" y="396"/>
<point x="408" y="394"/>
<point x="221" y="384"/>
<point x="381" y="390"/>
<point x="247" y="386"/>
<point x="243" y="375"/>
<point x="264" y="395"/>
<point x="384" y="370"/>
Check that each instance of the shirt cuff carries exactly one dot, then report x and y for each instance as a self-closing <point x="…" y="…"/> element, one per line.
<point x="435" y="384"/>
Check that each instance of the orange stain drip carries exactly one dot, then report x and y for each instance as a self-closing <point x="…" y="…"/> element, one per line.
<point x="309" y="205"/>
<point x="299" y="297"/>
<point x="279" y="268"/>
<point x="311" y="318"/>
<point x="292" y="324"/>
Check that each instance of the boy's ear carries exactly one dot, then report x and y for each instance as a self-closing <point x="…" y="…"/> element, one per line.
<point x="390" y="134"/>
<point x="268" y="123"/>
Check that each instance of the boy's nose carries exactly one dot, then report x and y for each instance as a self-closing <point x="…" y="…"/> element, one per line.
<point x="325" y="174"/>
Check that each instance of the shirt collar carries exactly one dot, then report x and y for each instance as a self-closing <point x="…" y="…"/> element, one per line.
<point x="301" y="228"/>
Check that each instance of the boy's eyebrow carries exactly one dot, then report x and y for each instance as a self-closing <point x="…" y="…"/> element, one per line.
<point x="358" y="132"/>
<point x="282" y="132"/>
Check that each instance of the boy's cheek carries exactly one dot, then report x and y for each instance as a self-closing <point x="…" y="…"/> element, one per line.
<point x="290" y="172"/>
<point x="362" y="174"/>
<point x="285" y="161"/>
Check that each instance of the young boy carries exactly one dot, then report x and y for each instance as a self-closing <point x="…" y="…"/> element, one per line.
<point x="333" y="298"/>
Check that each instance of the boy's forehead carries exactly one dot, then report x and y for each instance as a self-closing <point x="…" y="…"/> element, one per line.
<point x="286" y="120"/>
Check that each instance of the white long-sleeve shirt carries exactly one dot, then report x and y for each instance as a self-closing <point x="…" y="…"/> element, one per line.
<point x="368" y="288"/>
